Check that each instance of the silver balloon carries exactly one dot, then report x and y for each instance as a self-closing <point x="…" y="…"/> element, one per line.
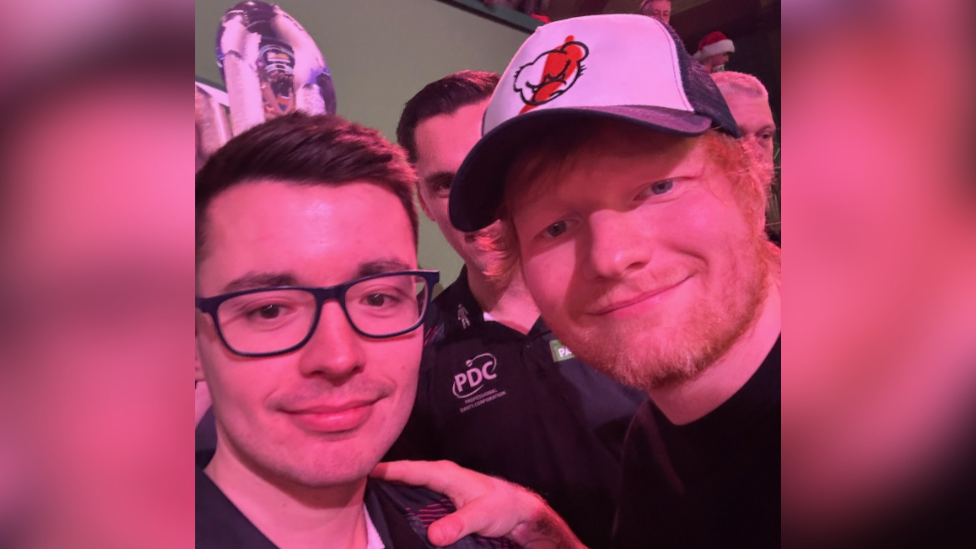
<point x="271" y="66"/>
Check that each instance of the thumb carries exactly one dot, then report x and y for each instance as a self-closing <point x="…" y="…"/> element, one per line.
<point x="446" y="531"/>
<point x="470" y="519"/>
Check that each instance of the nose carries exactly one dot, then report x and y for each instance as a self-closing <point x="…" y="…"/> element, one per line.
<point x="619" y="244"/>
<point x="335" y="350"/>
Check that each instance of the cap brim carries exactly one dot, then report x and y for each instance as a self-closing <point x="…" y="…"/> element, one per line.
<point x="478" y="187"/>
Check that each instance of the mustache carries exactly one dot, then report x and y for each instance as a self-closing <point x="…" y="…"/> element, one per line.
<point x="322" y="391"/>
<point x="614" y="292"/>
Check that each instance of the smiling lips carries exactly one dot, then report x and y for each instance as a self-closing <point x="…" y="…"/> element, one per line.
<point x="337" y="418"/>
<point x="636" y="304"/>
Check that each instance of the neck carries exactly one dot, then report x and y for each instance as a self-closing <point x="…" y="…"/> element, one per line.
<point x="695" y="398"/>
<point x="507" y="301"/>
<point x="290" y="515"/>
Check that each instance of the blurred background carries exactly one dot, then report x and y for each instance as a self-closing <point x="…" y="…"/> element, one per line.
<point x="96" y="231"/>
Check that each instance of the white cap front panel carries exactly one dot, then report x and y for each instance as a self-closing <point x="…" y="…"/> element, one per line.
<point x="596" y="61"/>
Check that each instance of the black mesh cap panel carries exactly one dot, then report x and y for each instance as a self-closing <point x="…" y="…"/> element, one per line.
<point x="701" y="90"/>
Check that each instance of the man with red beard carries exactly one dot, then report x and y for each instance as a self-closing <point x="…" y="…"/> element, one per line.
<point x="497" y="392"/>
<point x="637" y="218"/>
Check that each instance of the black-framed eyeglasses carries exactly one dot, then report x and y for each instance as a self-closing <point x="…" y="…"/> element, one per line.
<point x="274" y="321"/>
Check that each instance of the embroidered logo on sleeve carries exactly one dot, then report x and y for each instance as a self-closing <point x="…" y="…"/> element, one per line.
<point x="559" y="351"/>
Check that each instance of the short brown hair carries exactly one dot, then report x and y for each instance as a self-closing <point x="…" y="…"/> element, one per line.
<point x="305" y="150"/>
<point x="444" y="96"/>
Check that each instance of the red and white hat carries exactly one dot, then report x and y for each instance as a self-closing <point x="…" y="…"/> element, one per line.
<point x="714" y="43"/>
<point x="629" y="68"/>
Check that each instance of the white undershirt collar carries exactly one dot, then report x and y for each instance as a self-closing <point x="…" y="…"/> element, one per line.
<point x="373" y="540"/>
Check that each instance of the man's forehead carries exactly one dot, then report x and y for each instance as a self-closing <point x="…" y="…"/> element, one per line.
<point x="648" y="156"/>
<point x="746" y="107"/>
<point x="645" y="153"/>
<point x="303" y="228"/>
<point x="445" y="139"/>
<point x="272" y="198"/>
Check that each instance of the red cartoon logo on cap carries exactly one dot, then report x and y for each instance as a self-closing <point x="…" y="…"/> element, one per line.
<point x="563" y="67"/>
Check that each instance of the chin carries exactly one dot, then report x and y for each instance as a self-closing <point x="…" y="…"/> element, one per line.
<point x="345" y="466"/>
<point x="324" y="462"/>
<point x="641" y="354"/>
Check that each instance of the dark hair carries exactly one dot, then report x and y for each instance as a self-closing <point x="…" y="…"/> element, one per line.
<point x="305" y="150"/>
<point x="443" y="96"/>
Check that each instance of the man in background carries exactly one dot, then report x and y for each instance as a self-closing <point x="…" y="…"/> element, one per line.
<point x="498" y="393"/>
<point x="658" y="9"/>
<point x="637" y="217"/>
<point x="749" y="102"/>
<point x="714" y="51"/>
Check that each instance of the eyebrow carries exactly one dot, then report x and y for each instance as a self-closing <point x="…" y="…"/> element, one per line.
<point x="387" y="265"/>
<point x="255" y="280"/>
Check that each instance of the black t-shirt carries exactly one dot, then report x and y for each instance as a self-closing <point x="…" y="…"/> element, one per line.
<point x="520" y="407"/>
<point x="711" y="483"/>
<point x="400" y="514"/>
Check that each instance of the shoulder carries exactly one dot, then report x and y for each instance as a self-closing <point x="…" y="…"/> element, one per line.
<point x="643" y="430"/>
<point x="440" y="313"/>
<point x="451" y="312"/>
<point x="219" y="524"/>
<point x="449" y="298"/>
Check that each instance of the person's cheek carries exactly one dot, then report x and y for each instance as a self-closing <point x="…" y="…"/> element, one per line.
<point x="556" y="284"/>
<point x="533" y="269"/>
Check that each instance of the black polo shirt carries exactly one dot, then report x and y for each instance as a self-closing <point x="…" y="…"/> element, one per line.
<point x="712" y="483"/>
<point x="400" y="514"/>
<point x="520" y="407"/>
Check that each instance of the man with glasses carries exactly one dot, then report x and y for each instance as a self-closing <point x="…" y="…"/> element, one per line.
<point x="309" y="307"/>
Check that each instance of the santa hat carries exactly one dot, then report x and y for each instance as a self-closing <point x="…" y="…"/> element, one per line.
<point x="714" y="43"/>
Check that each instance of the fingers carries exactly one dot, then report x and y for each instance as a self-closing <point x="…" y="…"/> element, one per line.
<point x="487" y="506"/>
<point x="440" y="476"/>
<point x="414" y="473"/>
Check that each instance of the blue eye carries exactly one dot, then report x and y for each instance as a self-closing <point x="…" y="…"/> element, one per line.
<point x="662" y="187"/>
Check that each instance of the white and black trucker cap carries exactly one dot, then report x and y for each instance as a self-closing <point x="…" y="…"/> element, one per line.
<point x="623" y="67"/>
